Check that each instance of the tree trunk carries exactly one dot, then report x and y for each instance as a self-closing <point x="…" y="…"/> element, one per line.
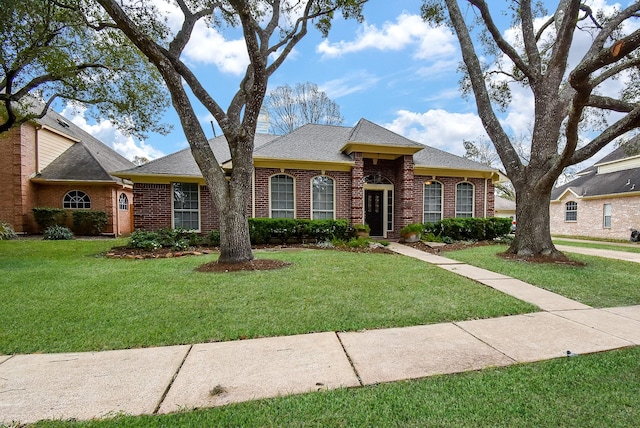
<point x="235" y="245"/>
<point x="533" y="234"/>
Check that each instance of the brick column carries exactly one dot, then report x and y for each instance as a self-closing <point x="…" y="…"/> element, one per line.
<point x="406" y="192"/>
<point x="357" y="189"/>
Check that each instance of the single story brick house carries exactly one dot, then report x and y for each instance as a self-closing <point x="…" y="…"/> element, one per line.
<point x="51" y="162"/>
<point x="603" y="202"/>
<point x="366" y="174"/>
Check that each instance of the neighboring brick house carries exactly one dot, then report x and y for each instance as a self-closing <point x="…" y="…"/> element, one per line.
<point x="603" y="202"/>
<point x="51" y="162"/>
<point x="366" y="174"/>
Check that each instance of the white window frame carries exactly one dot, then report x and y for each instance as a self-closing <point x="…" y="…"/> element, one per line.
<point x="288" y="210"/>
<point x="315" y="211"/>
<point x="76" y="199"/>
<point x="573" y="211"/>
<point x="424" y="197"/>
<point x="607" y="210"/>
<point x="184" y="210"/>
<point x="123" y="202"/>
<point x="473" y="200"/>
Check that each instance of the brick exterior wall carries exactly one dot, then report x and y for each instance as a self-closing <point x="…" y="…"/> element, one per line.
<point x="625" y="213"/>
<point x="17" y="165"/>
<point x="153" y="201"/>
<point x="449" y="196"/>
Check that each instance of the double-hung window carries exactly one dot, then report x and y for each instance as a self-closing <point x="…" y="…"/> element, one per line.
<point x="282" y="196"/>
<point x="186" y="206"/>
<point x="322" y="195"/>
<point x="606" y="216"/>
<point x="432" y="201"/>
<point x="571" y="211"/>
<point x="464" y="200"/>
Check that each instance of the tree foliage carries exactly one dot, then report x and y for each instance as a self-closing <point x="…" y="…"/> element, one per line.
<point x="290" y="108"/>
<point x="62" y="49"/>
<point x="271" y="29"/>
<point x="580" y="105"/>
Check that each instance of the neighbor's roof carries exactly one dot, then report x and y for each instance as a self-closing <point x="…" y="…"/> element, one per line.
<point x="502" y="204"/>
<point x="591" y="184"/>
<point x="89" y="159"/>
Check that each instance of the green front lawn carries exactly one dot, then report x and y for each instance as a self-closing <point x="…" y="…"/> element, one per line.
<point x="62" y="296"/>
<point x="599" y="390"/>
<point x="601" y="245"/>
<point x="602" y="283"/>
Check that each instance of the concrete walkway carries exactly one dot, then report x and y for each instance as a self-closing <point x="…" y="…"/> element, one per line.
<point x="174" y="378"/>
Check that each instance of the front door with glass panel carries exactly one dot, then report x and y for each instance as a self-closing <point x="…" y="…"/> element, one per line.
<point x="374" y="211"/>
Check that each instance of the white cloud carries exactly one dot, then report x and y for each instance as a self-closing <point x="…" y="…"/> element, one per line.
<point x="439" y="128"/>
<point x="407" y="30"/>
<point x="106" y="132"/>
<point x="352" y="83"/>
<point x="208" y="46"/>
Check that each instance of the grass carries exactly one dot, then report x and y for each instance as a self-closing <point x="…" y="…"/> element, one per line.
<point x="557" y="393"/>
<point x="61" y="296"/>
<point x="600" y="245"/>
<point x="601" y="283"/>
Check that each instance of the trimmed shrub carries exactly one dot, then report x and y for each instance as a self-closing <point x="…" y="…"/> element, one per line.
<point x="213" y="238"/>
<point x="89" y="222"/>
<point x="144" y="239"/>
<point x="283" y="230"/>
<point x="57" y="233"/>
<point x="176" y="239"/>
<point x="47" y="217"/>
<point x="7" y="232"/>
<point x="468" y="229"/>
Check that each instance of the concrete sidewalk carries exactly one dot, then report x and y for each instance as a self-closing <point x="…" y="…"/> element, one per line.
<point x="173" y="378"/>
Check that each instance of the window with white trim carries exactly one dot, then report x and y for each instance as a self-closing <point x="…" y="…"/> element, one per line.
<point x="186" y="206"/>
<point x="464" y="200"/>
<point x="606" y="216"/>
<point x="282" y="196"/>
<point x="432" y="202"/>
<point x="76" y="199"/>
<point x="123" y="202"/>
<point x="571" y="211"/>
<point x="322" y="196"/>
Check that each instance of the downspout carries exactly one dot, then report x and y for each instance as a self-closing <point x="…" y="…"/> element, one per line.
<point x="486" y="196"/>
<point x="253" y="193"/>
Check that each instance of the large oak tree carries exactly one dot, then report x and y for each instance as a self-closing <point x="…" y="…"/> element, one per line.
<point x="271" y="29"/>
<point x="63" y="50"/>
<point x="565" y="95"/>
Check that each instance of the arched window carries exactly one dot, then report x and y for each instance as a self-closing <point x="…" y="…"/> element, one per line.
<point x="123" y="202"/>
<point x="571" y="211"/>
<point x="76" y="199"/>
<point x="432" y="201"/>
<point x="322" y="196"/>
<point x="464" y="200"/>
<point x="282" y="196"/>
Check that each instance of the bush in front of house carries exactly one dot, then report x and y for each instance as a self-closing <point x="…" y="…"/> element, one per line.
<point x="468" y="229"/>
<point x="176" y="239"/>
<point x="7" y="232"/>
<point x="285" y="230"/>
<point x="47" y="217"/>
<point x="57" y="233"/>
<point x="89" y="222"/>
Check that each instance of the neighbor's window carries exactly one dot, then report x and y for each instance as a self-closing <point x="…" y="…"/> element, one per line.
<point x="186" y="206"/>
<point x="322" y="192"/>
<point x="76" y="199"/>
<point x="606" y="216"/>
<point x="123" y="202"/>
<point x="282" y="197"/>
<point x="464" y="200"/>
<point x="432" y="201"/>
<point x="571" y="211"/>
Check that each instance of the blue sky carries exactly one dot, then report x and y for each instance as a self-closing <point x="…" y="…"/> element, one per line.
<point x="393" y="69"/>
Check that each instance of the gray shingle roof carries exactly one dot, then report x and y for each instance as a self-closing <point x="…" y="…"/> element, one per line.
<point x="183" y="164"/>
<point x="88" y="160"/>
<point x="314" y="143"/>
<point x="593" y="184"/>
<point x="434" y="158"/>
